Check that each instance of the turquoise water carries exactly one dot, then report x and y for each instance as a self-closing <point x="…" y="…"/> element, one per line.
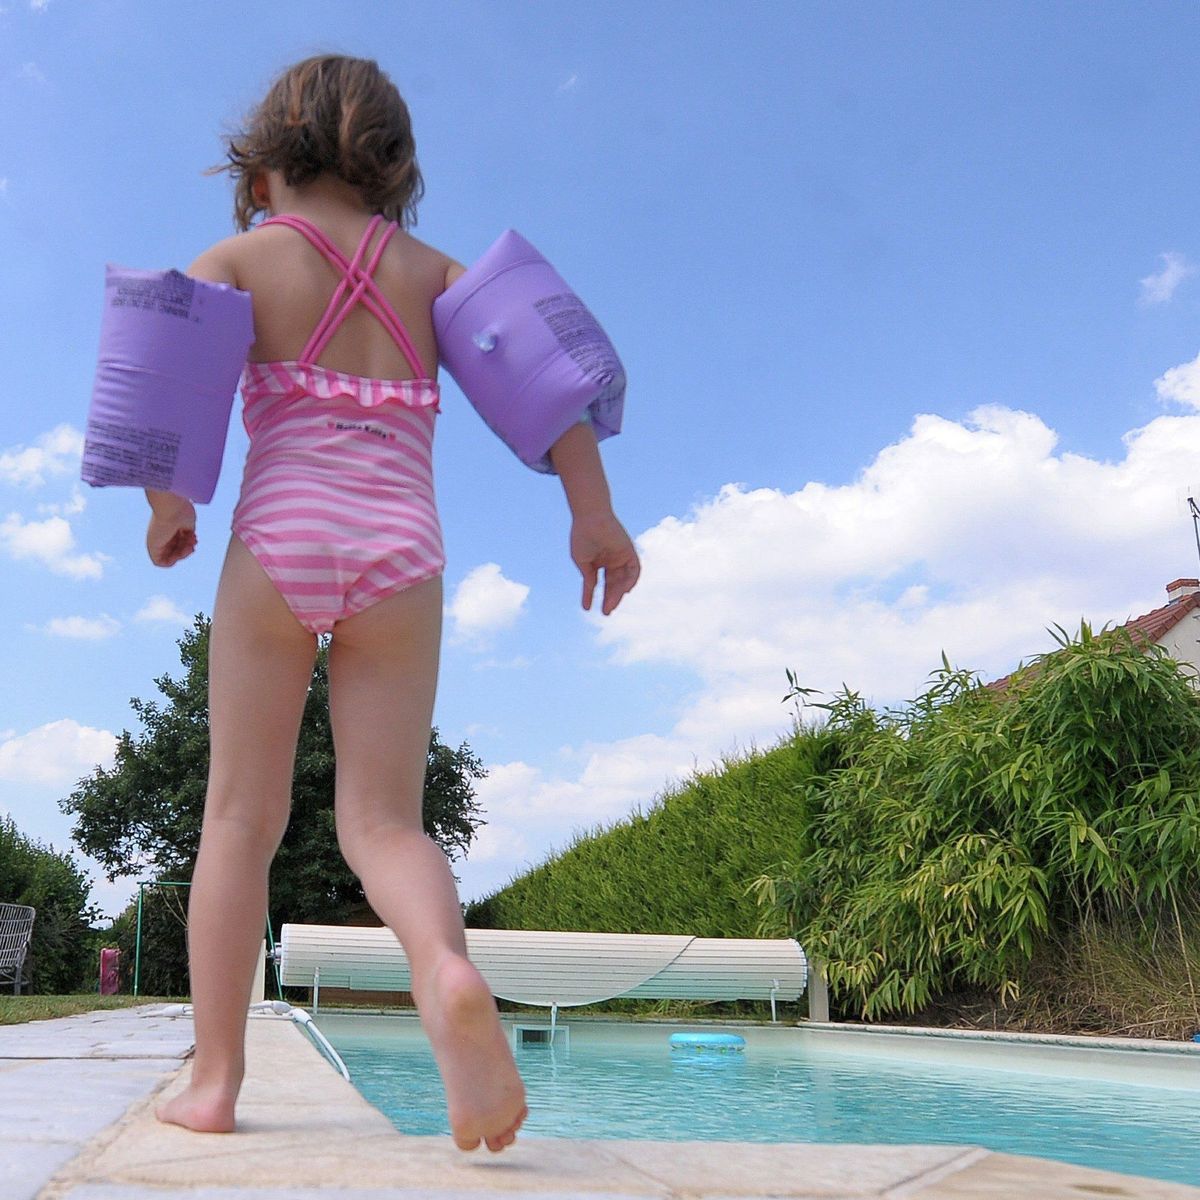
<point x="798" y="1092"/>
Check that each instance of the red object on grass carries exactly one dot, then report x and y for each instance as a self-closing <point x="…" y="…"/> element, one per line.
<point x="110" y="962"/>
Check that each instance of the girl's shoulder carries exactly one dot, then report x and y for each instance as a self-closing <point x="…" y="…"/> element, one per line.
<point x="449" y="269"/>
<point x="218" y="264"/>
<point x="231" y="259"/>
<point x="446" y="268"/>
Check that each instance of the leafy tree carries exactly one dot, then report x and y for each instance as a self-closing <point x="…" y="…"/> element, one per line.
<point x="53" y="883"/>
<point x="142" y="816"/>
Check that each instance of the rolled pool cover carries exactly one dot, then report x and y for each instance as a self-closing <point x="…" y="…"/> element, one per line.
<point x="527" y="352"/>
<point x="172" y="350"/>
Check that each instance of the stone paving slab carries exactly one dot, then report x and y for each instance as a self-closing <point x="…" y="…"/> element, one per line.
<point x="26" y="1166"/>
<point x="64" y="1081"/>
<point x="719" y="1168"/>
<point x="117" y="1033"/>
<point x="1010" y="1177"/>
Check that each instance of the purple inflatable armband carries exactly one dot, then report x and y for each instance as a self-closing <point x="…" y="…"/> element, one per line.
<point x="527" y="353"/>
<point x="171" y="351"/>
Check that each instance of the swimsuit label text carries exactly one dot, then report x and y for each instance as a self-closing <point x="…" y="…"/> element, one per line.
<point x="362" y="427"/>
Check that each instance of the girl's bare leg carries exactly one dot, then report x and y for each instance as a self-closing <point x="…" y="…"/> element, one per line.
<point x="382" y="678"/>
<point x="260" y="664"/>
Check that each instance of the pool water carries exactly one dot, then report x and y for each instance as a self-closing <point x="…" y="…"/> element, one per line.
<point x="630" y="1084"/>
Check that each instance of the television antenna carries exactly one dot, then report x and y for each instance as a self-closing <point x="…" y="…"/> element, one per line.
<point x="1192" y="508"/>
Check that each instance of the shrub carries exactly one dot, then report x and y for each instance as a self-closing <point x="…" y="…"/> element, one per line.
<point x="960" y="832"/>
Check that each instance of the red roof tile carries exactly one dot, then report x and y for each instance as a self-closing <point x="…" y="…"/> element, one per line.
<point x="1150" y="628"/>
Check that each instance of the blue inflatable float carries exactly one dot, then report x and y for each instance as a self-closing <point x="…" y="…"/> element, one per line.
<point x="714" y="1043"/>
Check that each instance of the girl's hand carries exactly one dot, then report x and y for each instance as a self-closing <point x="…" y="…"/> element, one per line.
<point x="599" y="543"/>
<point x="172" y="532"/>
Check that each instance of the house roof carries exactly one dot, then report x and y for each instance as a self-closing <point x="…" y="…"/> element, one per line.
<point x="1153" y="626"/>
<point x="1161" y="621"/>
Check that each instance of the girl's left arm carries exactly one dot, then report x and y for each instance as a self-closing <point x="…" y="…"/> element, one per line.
<point x="598" y="540"/>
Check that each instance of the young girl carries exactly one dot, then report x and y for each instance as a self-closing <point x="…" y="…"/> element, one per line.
<point x="336" y="532"/>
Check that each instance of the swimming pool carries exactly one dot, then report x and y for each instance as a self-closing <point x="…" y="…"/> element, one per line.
<point x="1115" y="1109"/>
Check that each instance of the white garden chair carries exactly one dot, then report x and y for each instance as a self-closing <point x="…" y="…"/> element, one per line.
<point x="16" y="934"/>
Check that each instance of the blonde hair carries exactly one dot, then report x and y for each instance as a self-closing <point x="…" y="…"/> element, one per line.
<point x="336" y="115"/>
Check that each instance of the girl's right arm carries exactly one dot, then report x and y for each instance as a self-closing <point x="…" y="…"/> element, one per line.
<point x="172" y="532"/>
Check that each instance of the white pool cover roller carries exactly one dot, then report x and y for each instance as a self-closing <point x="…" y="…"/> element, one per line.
<point x="558" y="968"/>
<point x="527" y="352"/>
<point x="172" y="350"/>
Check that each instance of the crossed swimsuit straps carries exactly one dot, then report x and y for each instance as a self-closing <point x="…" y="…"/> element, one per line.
<point x="337" y="500"/>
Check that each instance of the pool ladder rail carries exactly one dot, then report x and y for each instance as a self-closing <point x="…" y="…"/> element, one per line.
<point x="282" y="1009"/>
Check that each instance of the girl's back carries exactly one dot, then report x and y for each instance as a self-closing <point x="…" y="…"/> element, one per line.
<point x="292" y="282"/>
<point x="337" y="501"/>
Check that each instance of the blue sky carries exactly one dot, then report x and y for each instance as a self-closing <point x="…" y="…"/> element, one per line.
<point x="907" y="294"/>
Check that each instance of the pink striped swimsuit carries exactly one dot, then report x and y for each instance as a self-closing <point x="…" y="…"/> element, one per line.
<point x="337" y="499"/>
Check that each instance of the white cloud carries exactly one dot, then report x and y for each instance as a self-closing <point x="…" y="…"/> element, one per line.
<point x="66" y="508"/>
<point x="90" y="629"/>
<point x="111" y="898"/>
<point x="39" y="5"/>
<point x="485" y="603"/>
<point x="529" y="812"/>
<point x="499" y="843"/>
<point x="32" y="72"/>
<point x="569" y="84"/>
<point x="3" y="187"/>
<point x="966" y="536"/>
<point x="1180" y="384"/>
<point x="517" y="662"/>
<point x="984" y="515"/>
<point x="51" y="543"/>
<point x="162" y="609"/>
<point x="55" y="754"/>
<point x="1160" y="287"/>
<point x="55" y="453"/>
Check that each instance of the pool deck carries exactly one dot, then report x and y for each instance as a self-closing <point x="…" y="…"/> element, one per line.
<point x="77" y="1122"/>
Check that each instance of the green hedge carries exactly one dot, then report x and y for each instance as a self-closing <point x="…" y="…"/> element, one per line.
<point x="681" y="867"/>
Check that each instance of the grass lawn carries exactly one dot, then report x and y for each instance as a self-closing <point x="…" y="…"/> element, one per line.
<point x="17" y="1009"/>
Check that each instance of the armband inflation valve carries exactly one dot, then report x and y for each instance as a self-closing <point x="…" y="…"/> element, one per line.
<point x="527" y="352"/>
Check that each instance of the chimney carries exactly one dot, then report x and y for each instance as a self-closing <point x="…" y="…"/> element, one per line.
<point x="1179" y="589"/>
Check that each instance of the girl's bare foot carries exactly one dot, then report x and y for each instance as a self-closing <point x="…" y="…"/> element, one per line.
<point x="484" y="1093"/>
<point x="205" y="1110"/>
